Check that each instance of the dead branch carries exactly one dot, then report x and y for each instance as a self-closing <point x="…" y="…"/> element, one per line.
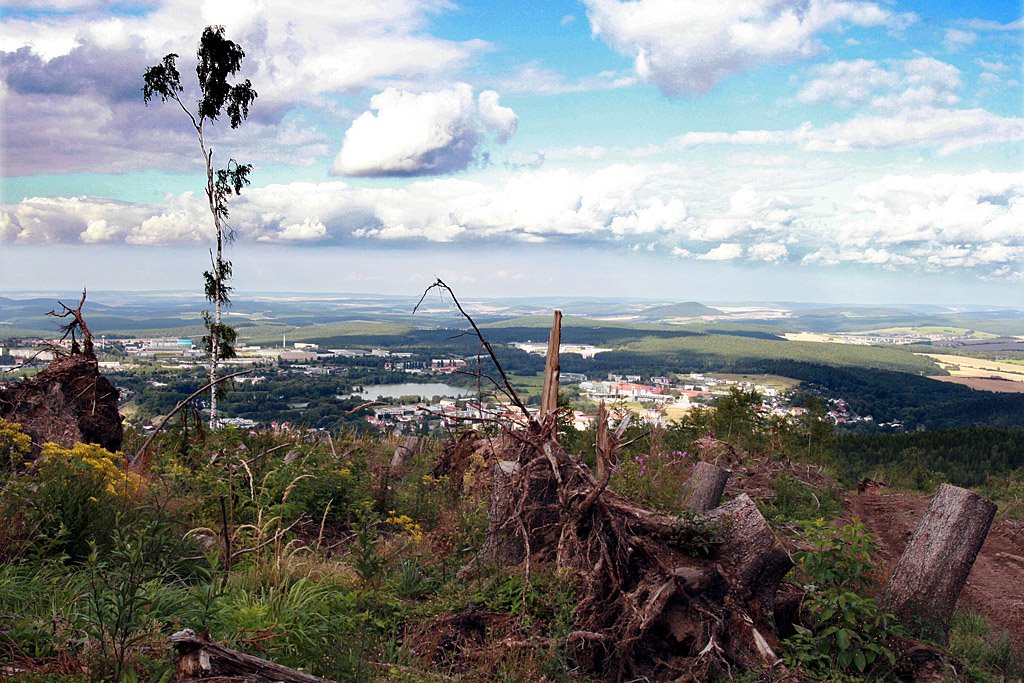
<point x="77" y="322"/>
<point x="182" y="404"/>
<point x="513" y="396"/>
<point x="199" y="659"/>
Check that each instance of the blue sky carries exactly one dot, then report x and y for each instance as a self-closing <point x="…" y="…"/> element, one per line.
<point x="827" y="150"/>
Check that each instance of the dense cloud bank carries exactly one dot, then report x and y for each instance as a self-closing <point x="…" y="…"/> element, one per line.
<point x="942" y="221"/>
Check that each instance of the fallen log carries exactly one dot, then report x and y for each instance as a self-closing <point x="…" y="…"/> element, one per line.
<point x="703" y="490"/>
<point x="926" y="582"/>
<point x="200" y="659"/>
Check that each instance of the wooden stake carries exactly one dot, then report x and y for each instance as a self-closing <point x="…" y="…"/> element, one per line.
<point x="549" y="396"/>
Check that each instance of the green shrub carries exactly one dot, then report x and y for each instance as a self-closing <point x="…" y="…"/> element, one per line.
<point x="15" y="445"/>
<point x="849" y="633"/>
<point x="77" y="495"/>
<point x="795" y="501"/>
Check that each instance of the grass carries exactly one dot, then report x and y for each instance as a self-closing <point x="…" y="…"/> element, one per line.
<point x="988" y="656"/>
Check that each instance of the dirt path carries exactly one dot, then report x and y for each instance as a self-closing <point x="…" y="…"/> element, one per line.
<point x="995" y="586"/>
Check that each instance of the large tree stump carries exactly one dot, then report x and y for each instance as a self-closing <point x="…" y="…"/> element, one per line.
<point x="703" y="490"/>
<point x="926" y="582"/>
<point x="751" y="556"/>
<point x="503" y="546"/>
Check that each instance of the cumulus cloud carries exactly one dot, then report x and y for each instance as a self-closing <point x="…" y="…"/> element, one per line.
<point x="908" y="103"/>
<point x="298" y="55"/>
<point x="727" y="251"/>
<point x="920" y="82"/>
<point x="968" y="222"/>
<point x="690" y="46"/>
<point x="54" y="220"/>
<point x="750" y="213"/>
<point x="427" y="133"/>
<point x="940" y="221"/>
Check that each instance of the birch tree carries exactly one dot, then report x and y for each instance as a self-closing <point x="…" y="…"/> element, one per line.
<point x="218" y="60"/>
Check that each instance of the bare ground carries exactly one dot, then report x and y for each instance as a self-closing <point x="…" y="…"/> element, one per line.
<point x="995" y="587"/>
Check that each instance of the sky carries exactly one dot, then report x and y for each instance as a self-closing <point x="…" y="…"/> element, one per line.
<point x="803" y="150"/>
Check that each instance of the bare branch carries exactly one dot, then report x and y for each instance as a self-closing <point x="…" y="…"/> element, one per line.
<point x="182" y="404"/>
<point x="440" y="285"/>
<point x="77" y="322"/>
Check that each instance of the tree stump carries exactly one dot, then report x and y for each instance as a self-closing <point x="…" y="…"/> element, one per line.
<point x="750" y="555"/>
<point x="409" y="447"/>
<point x="926" y="582"/>
<point x="703" y="490"/>
<point x="503" y="546"/>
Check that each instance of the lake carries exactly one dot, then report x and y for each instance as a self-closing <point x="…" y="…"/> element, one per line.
<point x="426" y="390"/>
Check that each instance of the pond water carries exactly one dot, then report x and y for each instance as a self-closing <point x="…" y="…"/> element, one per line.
<point x="427" y="390"/>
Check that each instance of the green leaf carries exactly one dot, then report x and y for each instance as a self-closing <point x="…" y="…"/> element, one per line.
<point x="843" y="638"/>
<point x="859" y="661"/>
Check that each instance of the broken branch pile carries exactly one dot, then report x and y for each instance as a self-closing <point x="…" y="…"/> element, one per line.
<point x="660" y="596"/>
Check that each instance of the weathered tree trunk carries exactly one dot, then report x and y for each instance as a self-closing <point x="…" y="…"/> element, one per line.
<point x="926" y="582"/>
<point x="750" y="555"/>
<point x="200" y="659"/>
<point x="549" y="395"/>
<point x="503" y="546"/>
<point x="703" y="490"/>
<point x="409" y="447"/>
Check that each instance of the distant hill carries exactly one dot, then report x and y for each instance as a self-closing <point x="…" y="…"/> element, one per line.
<point x="687" y="309"/>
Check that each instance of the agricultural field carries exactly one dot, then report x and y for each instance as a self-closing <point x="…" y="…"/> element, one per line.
<point x="965" y="366"/>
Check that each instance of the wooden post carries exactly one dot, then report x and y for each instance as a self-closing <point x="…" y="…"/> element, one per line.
<point x="931" y="572"/>
<point x="549" y="395"/>
<point x="703" y="490"/>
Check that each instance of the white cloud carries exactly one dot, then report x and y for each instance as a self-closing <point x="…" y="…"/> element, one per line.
<point x="771" y="252"/>
<point x="909" y="103"/>
<point x="995" y="67"/>
<point x="742" y="137"/>
<point x="943" y="209"/>
<point x="422" y="133"/>
<point x="956" y="40"/>
<point x="728" y="251"/>
<point x="535" y="79"/>
<point x="847" y="83"/>
<point x="690" y="46"/>
<point x="51" y="220"/>
<point x="919" y="82"/>
<point x="949" y="130"/>
<point x="293" y="49"/>
<point x="657" y="215"/>
<point x="577" y="152"/>
<point x="968" y="222"/>
<point x="749" y="214"/>
<point x="988" y="25"/>
<point x="308" y="229"/>
<point x="567" y="19"/>
<point x="79" y="73"/>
